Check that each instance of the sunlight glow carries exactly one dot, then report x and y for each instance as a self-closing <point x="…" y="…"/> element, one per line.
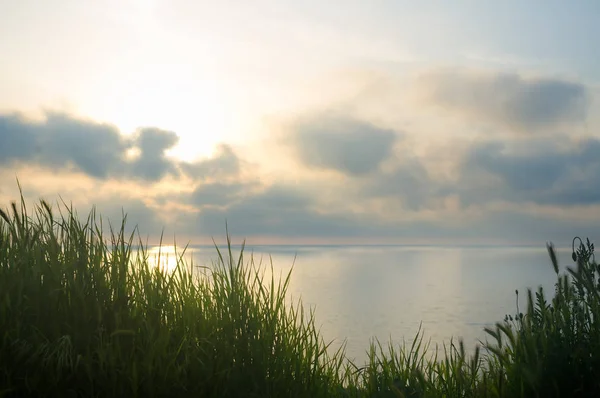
<point x="164" y="257"/>
<point x="198" y="117"/>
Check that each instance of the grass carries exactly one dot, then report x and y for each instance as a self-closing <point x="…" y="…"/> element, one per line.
<point x="84" y="313"/>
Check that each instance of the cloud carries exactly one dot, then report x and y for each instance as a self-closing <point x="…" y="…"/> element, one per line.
<point x="532" y="170"/>
<point x="59" y="142"/>
<point x="408" y="181"/>
<point x="224" y="164"/>
<point x="152" y="164"/>
<point x="219" y="194"/>
<point x="527" y="181"/>
<point x="557" y="175"/>
<point x="507" y="99"/>
<point x="281" y="211"/>
<point x="64" y="143"/>
<point x="502" y="185"/>
<point x="341" y="144"/>
<point x="286" y="213"/>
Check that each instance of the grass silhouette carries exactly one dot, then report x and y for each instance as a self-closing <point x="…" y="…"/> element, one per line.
<point x="83" y="313"/>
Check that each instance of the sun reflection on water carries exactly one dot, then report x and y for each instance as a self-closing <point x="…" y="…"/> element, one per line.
<point x="166" y="257"/>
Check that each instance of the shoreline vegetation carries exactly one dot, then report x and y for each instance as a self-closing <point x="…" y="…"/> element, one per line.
<point x="83" y="313"/>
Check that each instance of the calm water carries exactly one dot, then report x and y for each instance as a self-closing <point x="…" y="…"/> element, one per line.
<point x="387" y="291"/>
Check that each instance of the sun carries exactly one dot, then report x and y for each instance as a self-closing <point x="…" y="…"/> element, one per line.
<point x="199" y="116"/>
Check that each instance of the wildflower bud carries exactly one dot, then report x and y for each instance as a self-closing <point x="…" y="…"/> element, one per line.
<point x="574" y="256"/>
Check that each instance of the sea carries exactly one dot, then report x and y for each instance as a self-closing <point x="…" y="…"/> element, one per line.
<point x="359" y="293"/>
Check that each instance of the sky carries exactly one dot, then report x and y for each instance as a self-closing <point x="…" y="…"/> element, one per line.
<point x="307" y="122"/>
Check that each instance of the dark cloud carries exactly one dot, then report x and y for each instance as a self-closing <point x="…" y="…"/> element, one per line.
<point x="556" y="173"/>
<point x="524" y="104"/>
<point x="555" y="176"/>
<point x="152" y="164"/>
<point x="225" y="163"/>
<point x="408" y="181"/>
<point x="280" y="211"/>
<point x="219" y="194"/>
<point x="344" y="145"/>
<point x="287" y="213"/>
<point x="61" y="142"/>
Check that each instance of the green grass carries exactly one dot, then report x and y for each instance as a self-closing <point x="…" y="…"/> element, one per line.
<point x="84" y="313"/>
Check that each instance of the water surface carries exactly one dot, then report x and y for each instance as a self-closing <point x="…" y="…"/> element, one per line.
<point x="361" y="292"/>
